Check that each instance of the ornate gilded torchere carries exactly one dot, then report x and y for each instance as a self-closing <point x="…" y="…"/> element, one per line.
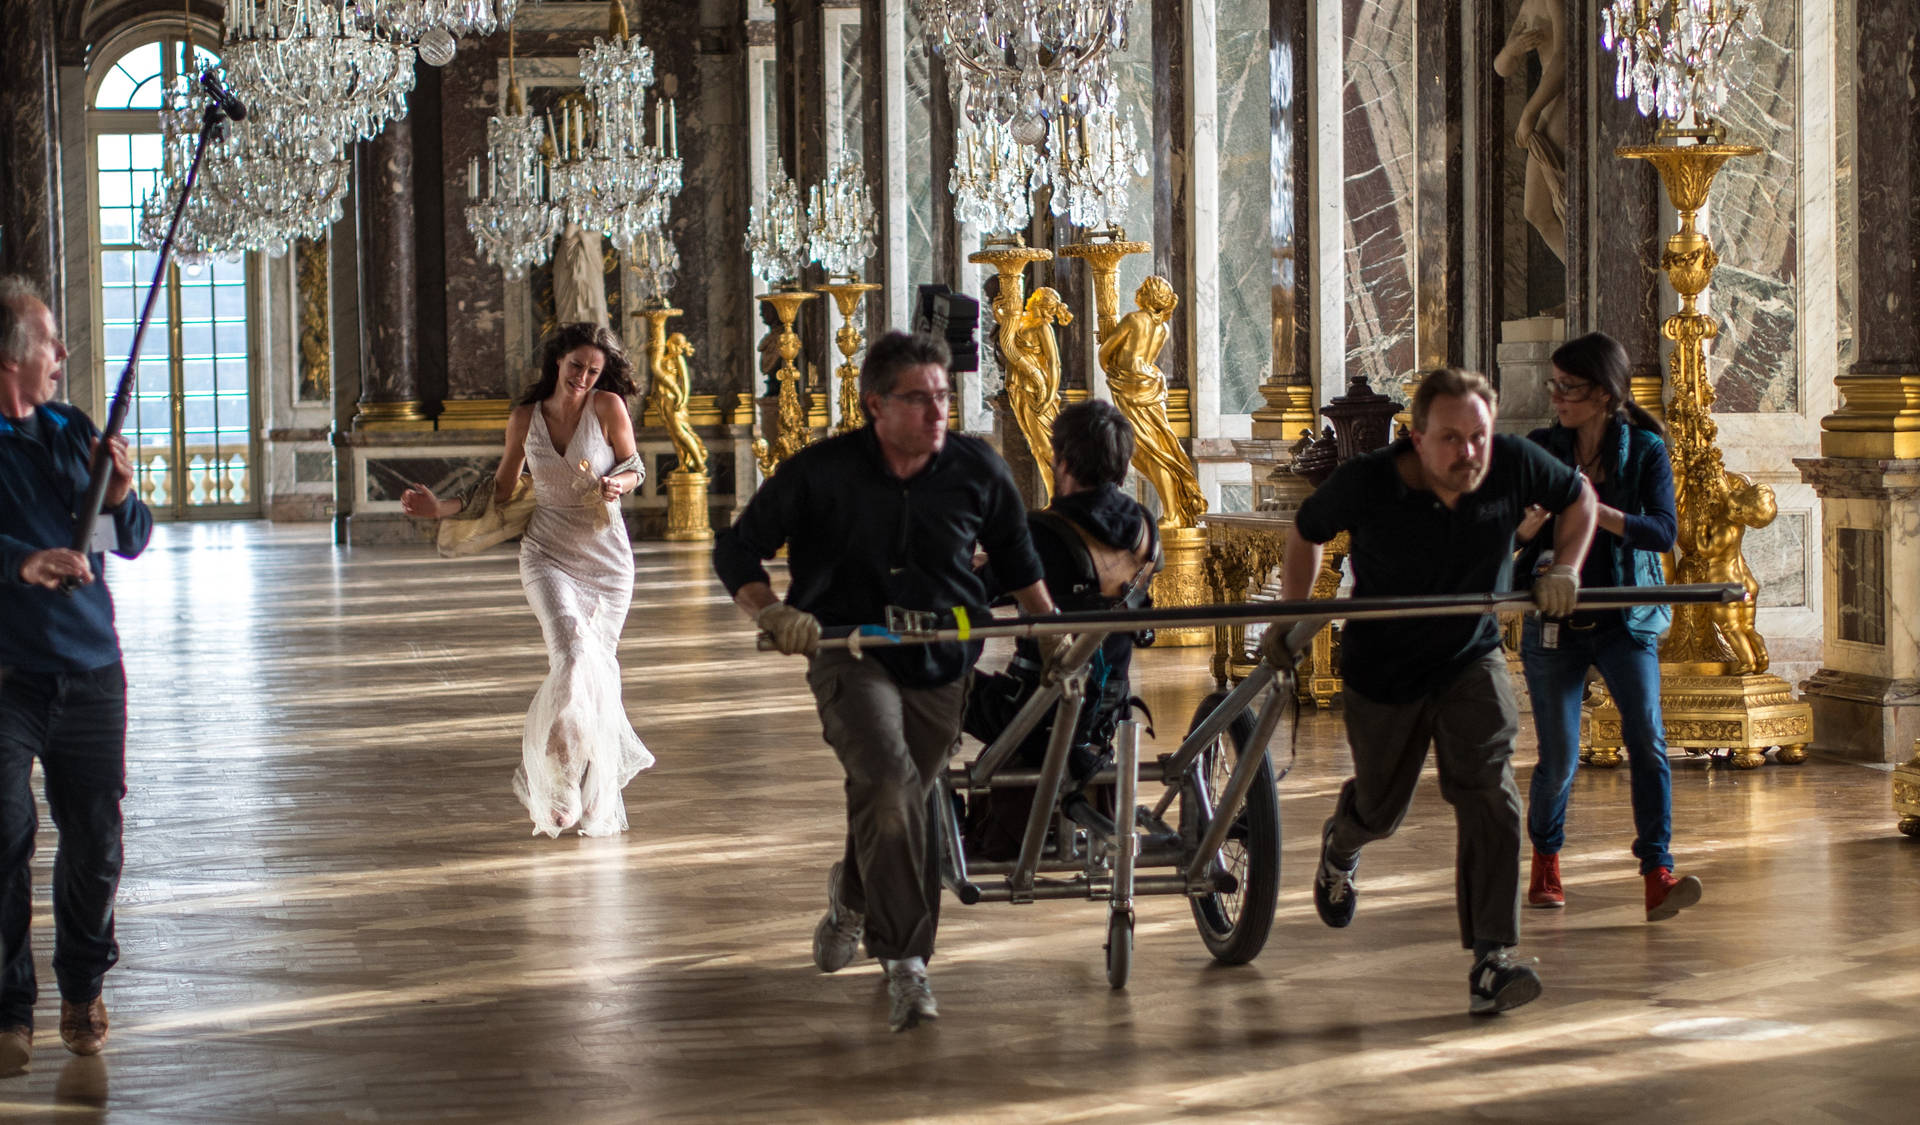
<point x="1715" y="690"/>
<point x="847" y="296"/>
<point x="1906" y="792"/>
<point x="668" y="398"/>
<point x="790" y="432"/>
<point x="1033" y="386"/>
<point x="1130" y="347"/>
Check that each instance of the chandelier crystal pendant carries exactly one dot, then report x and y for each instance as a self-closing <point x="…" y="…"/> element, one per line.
<point x="994" y="176"/>
<point x="1020" y="62"/>
<point x="608" y="176"/>
<point x="776" y="233"/>
<point x="1672" y="54"/>
<point x="1094" y="159"/>
<point x="335" y="80"/>
<point x="840" y="220"/>
<point x="513" y="221"/>
<point x="434" y="25"/>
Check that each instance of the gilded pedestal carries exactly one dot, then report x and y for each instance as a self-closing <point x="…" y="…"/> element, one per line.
<point x="790" y="428"/>
<point x="1029" y="353"/>
<point x="847" y="296"/>
<point x="1715" y="691"/>
<point x="687" y="519"/>
<point x="1906" y="792"/>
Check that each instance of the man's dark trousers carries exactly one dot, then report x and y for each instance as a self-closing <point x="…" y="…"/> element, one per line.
<point x="1471" y="722"/>
<point x="76" y="724"/>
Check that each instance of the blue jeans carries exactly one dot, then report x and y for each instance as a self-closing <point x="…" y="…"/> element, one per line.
<point x="1630" y="665"/>
<point x="77" y="726"/>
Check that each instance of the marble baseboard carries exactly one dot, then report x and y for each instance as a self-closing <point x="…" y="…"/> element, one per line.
<point x="300" y="507"/>
<point x="1863" y="718"/>
<point x="382" y="529"/>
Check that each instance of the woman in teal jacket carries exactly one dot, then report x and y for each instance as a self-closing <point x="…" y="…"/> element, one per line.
<point x="1620" y="448"/>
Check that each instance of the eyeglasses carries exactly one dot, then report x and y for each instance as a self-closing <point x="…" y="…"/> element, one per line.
<point x="1571" y="390"/>
<point x="921" y="400"/>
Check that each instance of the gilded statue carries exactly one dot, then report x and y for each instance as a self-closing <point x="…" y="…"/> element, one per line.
<point x="1033" y="371"/>
<point x="671" y="385"/>
<point x="1712" y="531"/>
<point x="1127" y="354"/>
<point x="1542" y="129"/>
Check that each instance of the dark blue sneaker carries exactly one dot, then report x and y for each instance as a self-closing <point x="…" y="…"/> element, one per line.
<point x="1500" y="981"/>
<point x="1333" y="893"/>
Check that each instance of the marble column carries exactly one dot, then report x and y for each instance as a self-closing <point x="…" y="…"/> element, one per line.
<point x="30" y="150"/>
<point x="482" y="378"/>
<point x="1288" y="391"/>
<point x="1168" y="163"/>
<point x="389" y="383"/>
<point x="1440" y="263"/>
<point x="1583" y="38"/>
<point x="1866" y="695"/>
<point x="1625" y="265"/>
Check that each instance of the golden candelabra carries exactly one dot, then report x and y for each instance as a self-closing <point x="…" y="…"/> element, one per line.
<point x="790" y="429"/>
<point x="847" y="296"/>
<point x="1029" y="353"/>
<point x="668" y="400"/>
<point x="1716" y="693"/>
<point x="1129" y="349"/>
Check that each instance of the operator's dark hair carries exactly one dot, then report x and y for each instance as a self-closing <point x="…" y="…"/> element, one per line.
<point x="616" y="374"/>
<point x="1602" y="360"/>
<point x="1095" y="441"/>
<point x="895" y="353"/>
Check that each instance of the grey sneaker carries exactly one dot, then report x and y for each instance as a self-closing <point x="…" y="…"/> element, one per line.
<point x="911" y="998"/>
<point x="1500" y="981"/>
<point x="837" y="938"/>
<point x="1334" y="895"/>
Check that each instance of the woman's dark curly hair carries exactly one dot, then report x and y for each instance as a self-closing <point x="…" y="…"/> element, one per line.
<point x="616" y="374"/>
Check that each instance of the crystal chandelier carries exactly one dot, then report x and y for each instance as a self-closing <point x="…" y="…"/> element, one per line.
<point x="334" y="80"/>
<point x="253" y="192"/>
<point x="1672" y="53"/>
<point x="657" y="263"/>
<point x="776" y="236"/>
<point x="512" y="221"/>
<point x="1094" y="159"/>
<point x="840" y="220"/>
<point x="1022" y="61"/>
<point x="994" y="176"/>
<point x="433" y="25"/>
<point x="608" y="176"/>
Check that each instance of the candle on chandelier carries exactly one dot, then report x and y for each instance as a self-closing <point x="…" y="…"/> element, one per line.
<point x="660" y="125"/>
<point x="473" y="178"/>
<point x="673" y="125"/>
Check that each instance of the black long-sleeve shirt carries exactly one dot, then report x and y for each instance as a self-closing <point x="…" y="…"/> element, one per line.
<point x="860" y="539"/>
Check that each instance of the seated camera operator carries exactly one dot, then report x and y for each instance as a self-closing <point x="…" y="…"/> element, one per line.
<point x="1098" y="547"/>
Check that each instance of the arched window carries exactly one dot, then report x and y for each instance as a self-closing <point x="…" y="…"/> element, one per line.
<point x="192" y="422"/>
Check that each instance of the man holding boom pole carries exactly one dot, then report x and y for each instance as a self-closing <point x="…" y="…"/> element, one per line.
<point x="1435" y="514"/>
<point x="63" y="693"/>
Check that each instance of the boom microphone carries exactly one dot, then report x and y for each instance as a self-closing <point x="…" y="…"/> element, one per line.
<point x="229" y="105"/>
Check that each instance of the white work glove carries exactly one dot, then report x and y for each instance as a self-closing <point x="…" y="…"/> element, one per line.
<point x="794" y="631"/>
<point x="1556" y="591"/>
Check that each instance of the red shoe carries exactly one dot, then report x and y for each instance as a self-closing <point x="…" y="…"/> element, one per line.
<point x="1667" y="896"/>
<point x="1543" y="889"/>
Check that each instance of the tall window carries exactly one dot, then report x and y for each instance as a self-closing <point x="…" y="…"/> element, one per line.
<point x="192" y="422"/>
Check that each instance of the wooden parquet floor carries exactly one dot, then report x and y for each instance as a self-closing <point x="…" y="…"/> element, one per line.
<point x="333" y="911"/>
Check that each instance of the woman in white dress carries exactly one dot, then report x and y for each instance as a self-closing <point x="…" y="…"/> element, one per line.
<point x="572" y="430"/>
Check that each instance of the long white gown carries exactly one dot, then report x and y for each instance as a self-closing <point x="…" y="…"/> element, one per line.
<point x="579" y="750"/>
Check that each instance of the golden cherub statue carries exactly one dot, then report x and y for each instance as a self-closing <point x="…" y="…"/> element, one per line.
<point x="1128" y="353"/>
<point x="1033" y="372"/>
<point x="1711" y="552"/>
<point x="671" y="385"/>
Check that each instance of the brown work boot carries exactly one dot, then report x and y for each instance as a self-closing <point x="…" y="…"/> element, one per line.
<point x="83" y="1027"/>
<point x="1543" y="889"/>
<point x="16" y="1049"/>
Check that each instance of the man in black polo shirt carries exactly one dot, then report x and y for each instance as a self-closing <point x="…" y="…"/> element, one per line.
<point x="887" y="515"/>
<point x="1435" y="514"/>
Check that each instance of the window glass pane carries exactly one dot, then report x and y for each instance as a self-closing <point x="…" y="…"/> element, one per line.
<point x="129" y="81"/>
<point x="115" y="151"/>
